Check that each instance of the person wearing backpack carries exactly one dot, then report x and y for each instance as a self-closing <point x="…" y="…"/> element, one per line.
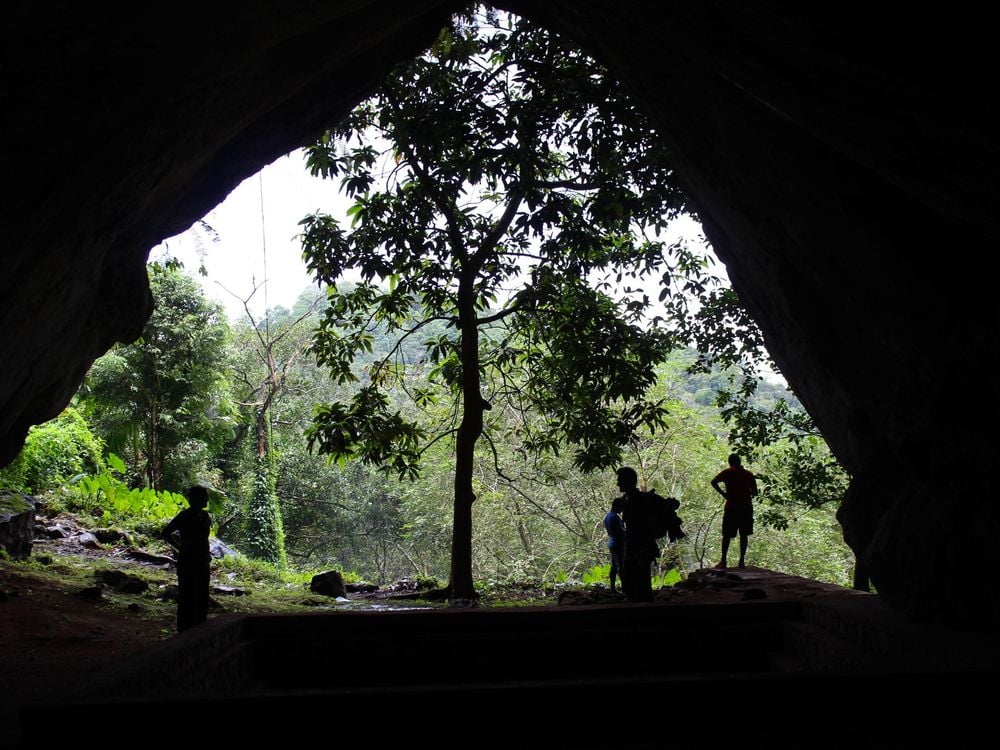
<point x="642" y="524"/>
<point x="741" y="487"/>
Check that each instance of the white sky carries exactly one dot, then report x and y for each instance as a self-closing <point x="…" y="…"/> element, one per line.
<point x="236" y="261"/>
<point x="235" y="258"/>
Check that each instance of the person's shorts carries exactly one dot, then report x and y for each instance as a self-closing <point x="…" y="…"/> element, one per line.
<point x="738" y="520"/>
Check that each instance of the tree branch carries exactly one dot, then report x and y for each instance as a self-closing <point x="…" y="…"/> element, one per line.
<point x="490" y="241"/>
<point x="556" y="184"/>
<point x="498" y="316"/>
<point x="440" y="436"/>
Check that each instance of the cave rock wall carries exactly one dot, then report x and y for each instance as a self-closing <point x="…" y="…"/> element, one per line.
<point x="842" y="159"/>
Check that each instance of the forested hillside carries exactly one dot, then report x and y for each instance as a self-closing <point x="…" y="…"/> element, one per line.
<point x="228" y="403"/>
<point x="506" y="319"/>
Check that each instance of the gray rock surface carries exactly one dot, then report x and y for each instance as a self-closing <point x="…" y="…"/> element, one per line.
<point x="17" y="524"/>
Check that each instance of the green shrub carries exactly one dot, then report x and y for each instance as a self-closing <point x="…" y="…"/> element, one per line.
<point x="103" y="492"/>
<point x="669" y="578"/>
<point x="597" y="574"/>
<point x="250" y="570"/>
<point x="54" y="453"/>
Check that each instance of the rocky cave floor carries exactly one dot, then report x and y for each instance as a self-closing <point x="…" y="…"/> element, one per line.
<point x="60" y="624"/>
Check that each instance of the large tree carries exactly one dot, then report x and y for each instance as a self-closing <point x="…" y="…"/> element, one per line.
<point x="503" y="185"/>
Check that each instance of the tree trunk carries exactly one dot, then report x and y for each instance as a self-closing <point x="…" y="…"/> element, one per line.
<point x="153" y="450"/>
<point x="461" y="585"/>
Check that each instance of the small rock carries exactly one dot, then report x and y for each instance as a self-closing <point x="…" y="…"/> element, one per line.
<point x="121" y="581"/>
<point x="112" y="536"/>
<point x="88" y="540"/>
<point x="56" y="532"/>
<point x="134" y="607"/>
<point x="167" y="593"/>
<point x="43" y="558"/>
<point x="412" y="584"/>
<point x="330" y="583"/>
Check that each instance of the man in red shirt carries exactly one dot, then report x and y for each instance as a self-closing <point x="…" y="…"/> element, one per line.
<point x="738" y="514"/>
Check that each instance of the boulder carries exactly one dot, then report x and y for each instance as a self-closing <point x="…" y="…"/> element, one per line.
<point x="88" y="540"/>
<point x="17" y="523"/>
<point x="330" y="583"/>
<point x="219" y="549"/>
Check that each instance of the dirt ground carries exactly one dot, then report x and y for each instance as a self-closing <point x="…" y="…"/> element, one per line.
<point x="52" y="637"/>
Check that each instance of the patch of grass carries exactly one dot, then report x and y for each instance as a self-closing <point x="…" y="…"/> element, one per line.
<point x="516" y="593"/>
<point x="71" y="574"/>
<point x="257" y="572"/>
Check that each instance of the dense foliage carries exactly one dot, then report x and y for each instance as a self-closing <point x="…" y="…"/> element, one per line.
<point x="540" y="522"/>
<point x="504" y="185"/>
<point x="53" y="454"/>
<point x="519" y="194"/>
<point x="162" y="402"/>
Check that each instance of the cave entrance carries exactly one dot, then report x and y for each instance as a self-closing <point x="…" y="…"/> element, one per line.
<point x="257" y="205"/>
<point x="383" y="523"/>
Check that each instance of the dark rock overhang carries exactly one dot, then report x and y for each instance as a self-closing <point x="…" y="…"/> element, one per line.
<point x="842" y="158"/>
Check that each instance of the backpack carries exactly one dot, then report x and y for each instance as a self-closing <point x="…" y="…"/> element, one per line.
<point x="666" y="522"/>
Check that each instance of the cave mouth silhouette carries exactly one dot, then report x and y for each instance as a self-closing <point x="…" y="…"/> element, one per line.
<point x="826" y="165"/>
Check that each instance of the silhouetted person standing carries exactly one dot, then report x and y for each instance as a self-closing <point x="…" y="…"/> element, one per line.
<point x="737" y="517"/>
<point x="192" y="525"/>
<point x="640" y="515"/>
<point x="616" y="539"/>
